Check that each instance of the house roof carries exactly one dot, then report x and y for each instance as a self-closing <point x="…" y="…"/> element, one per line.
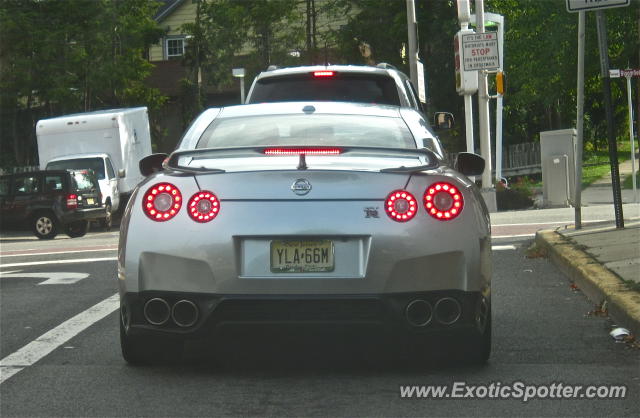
<point x="168" y="6"/>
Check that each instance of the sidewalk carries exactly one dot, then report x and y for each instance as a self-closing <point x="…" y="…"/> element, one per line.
<point x="601" y="191"/>
<point x="604" y="263"/>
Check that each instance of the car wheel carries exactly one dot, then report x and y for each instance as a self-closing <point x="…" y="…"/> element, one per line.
<point x="141" y="351"/>
<point x="77" y="229"/>
<point x="45" y="225"/>
<point x="477" y="349"/>
<point x="106" y="222"/>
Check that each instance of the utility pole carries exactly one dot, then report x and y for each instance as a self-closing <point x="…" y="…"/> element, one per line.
<point x="413" y="41"/>
<point x="488" y="192"/>
<point x="577" y="205"/>
<point x="466" y="81"/>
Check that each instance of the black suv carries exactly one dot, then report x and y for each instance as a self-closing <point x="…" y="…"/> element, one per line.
<point x="382" y="84"/>
<point x="51" y="201"/>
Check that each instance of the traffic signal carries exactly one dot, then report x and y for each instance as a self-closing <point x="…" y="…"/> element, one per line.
<point x="500" y="83"/>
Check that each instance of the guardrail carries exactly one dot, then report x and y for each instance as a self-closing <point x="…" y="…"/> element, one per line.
<point x="518" y="159"/>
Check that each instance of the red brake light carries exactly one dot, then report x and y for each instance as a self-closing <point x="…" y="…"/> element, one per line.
<point x="72" y="201"/>
<point x="323" y="73"/>
<point x="162" y="202"/>
<point x="305" y="151"/>
<point x="401" y="206"/>
<point x="203" y="206"/>
<point x="443" y="201"/>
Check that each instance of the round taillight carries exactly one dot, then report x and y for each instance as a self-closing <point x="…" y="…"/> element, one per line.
<point x="443" y="201"/>
<point x="401" y="206"/>
<point x="203" y="206"/>
<point x="162" y="202"/>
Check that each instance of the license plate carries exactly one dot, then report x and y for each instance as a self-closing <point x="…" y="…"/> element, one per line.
<point x="89" y="201"/>
<point x="297" y="256"/>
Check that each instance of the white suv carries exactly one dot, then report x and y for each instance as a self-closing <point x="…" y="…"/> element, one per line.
<point x="382" y="84"/>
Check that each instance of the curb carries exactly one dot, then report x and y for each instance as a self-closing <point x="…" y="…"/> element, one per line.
<point x="596" y="281"/>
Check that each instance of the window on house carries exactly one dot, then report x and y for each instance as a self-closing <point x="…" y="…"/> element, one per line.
<point x="175" y="47"/>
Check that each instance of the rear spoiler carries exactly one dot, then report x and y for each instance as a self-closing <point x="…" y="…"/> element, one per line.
<point x="172" y="162"/>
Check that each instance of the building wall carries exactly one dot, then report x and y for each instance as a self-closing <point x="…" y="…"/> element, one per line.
<point x="184" y="13"/>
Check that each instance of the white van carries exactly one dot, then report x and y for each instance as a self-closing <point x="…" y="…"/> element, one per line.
<point x="110" y="142"/>
<point x="102" y="166"/>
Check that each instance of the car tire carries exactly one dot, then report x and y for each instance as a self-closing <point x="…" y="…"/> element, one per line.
<point x="45" y="225"/>
<point x="106" y="222"/>
<point x="143" y="351"/>
<point x="77" y="229"/>
<point x="478" y="346"/>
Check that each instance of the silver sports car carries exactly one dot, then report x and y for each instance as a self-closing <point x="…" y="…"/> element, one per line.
<point x="306" y="213"/>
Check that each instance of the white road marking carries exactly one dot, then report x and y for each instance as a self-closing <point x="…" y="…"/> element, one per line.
<point x="49" y="341"/>
<point x="551" y="223"/>
<point x="503" y="247"/>
<point x="52" y="278"/>
<point x="71" y="261"/>
<point x="55" y="252"/>
<point x="513" y="236"/>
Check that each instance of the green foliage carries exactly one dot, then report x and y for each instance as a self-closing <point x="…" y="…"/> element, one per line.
<point x="69" y="56"/>
<point x="519" y="194"/>
<point x="541" y="66"/>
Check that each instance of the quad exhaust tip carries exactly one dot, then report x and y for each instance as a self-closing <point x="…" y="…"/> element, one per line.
<point x="157" y="311"/>
<point x="418" y="313"/>
<point x="447" y="311"/>
<point x="184" y="313"/>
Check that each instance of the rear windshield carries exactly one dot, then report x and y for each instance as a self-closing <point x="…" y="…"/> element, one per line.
<point x="82" y="181"/>
<point x="302" y="129"/>
<point x="359" y="88"/>
<point x="95" y="164"/>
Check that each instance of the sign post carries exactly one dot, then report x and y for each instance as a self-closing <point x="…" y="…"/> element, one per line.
<point x="608" y="106"/>
<point x="628" y="74"/>
<point x="598" y="6"/>
<point x="577" y="204"/>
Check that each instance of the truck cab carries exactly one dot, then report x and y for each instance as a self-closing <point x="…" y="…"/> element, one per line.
<point x="103" y="167"/>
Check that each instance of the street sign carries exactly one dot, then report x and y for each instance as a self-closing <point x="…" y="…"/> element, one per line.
<point x="480" y="51"/>
<point x="466" y="81"/>
<point x="630" y="73"/>
<point x="574" y="6"/>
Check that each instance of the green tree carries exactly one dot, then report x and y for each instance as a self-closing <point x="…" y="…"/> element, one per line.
<point x="68" y="56"/>
<point x="541" y="66"/>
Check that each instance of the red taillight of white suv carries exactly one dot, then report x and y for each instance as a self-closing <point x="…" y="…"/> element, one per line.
<point x="443" y="201"/>
<point x="162" y="202"/>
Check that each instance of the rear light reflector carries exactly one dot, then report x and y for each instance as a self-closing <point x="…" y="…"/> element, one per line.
<point x="401" y="206"/>
<point x="443" y="201"/>
<point x="324" y="73"/>
<point x="203" y="206"/>
<point x="72" y="201"/>
<point x="305" y="151"/>
<point x="162" y="202"/>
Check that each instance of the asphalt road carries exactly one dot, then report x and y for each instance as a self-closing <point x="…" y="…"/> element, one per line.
<point x="542" y="335"/>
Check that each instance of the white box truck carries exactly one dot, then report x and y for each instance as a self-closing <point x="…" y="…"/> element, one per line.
<point x="110" y="142"/>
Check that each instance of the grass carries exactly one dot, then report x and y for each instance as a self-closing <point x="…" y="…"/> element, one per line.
<point x="628" y="181"/>
<point x="596" y="163"/>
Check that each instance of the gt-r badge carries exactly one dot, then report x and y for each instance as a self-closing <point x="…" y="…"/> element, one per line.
<point x="301" y="187"/>
<point x="371" y="213"/>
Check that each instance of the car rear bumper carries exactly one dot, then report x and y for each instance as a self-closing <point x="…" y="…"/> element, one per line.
<point x="413" y="313"/>
<point x="83" y="214"/>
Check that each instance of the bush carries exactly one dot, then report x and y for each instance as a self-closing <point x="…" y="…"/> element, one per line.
<point x="517" y="196"/>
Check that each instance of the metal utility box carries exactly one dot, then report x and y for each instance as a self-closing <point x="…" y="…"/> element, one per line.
<point x="557" y="152"/>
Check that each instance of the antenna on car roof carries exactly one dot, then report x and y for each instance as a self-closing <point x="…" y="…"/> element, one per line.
<point x="272" y="67"/>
